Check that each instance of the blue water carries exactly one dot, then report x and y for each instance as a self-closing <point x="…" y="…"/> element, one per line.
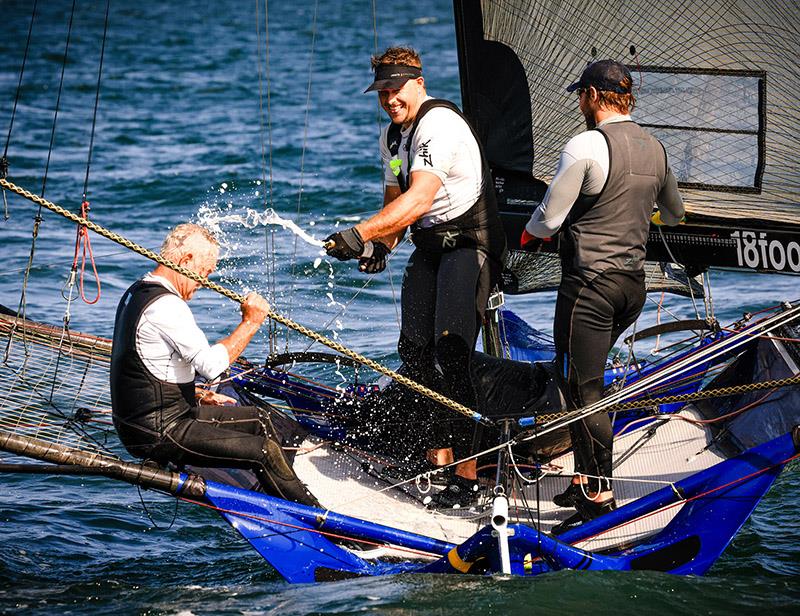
<point x="179" y="132"/>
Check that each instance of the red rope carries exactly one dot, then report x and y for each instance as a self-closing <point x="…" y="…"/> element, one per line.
<point x="84" y="245"/>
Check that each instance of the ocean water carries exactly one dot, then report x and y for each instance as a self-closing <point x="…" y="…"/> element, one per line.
<point x="183" y="134"/>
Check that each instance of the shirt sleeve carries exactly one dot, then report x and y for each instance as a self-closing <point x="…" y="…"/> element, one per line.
<point x="175" y="322"/>
<point x="582" y="170"/>
<point x="389" y="178"/>
<point x="435" y="143"/>
<point x="670" y="203"/>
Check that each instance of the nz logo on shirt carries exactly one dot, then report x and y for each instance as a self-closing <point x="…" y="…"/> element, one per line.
<point x="424" y="154"/>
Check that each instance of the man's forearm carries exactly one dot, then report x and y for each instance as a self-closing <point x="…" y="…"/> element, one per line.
<point x="391" y="240"/>
<point x="670" y="203"/>
<point x="395" y="218"/>
<point x="402" y="211"/>
<point x="239" y="338"/>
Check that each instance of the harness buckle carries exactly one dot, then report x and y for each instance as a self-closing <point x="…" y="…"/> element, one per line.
<point x="496" y="300"/>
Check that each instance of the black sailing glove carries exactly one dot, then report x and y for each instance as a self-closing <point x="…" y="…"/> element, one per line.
<point x="376" y="262"/>
<point x="345" y="244"/>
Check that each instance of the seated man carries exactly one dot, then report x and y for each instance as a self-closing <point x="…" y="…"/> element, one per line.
<point x="157" y="351"/>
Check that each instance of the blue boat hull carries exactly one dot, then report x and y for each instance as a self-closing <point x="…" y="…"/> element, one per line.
<point x="304" y="544"/>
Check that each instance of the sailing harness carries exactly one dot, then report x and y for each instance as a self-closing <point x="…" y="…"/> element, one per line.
<point x="479" y="227"/>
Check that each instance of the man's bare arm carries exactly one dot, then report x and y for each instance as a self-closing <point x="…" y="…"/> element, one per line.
<point x="390" y="193"/>
<point x="403" y="210"/>
<point x="254" y="310"/>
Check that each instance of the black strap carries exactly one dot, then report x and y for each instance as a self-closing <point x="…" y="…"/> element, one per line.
<point x="394" y="136"/>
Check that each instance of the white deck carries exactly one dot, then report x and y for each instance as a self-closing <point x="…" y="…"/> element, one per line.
<point x="677" y="450"/>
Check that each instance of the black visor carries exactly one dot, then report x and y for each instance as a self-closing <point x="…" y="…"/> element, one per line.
<point x="393" y="76"/>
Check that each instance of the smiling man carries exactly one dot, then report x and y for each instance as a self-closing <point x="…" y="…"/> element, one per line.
<point x="437" y="183"/>
<point x="158" y="348"/>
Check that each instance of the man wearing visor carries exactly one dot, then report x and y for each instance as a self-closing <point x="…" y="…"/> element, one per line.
<point x="437" y="183"/>
<point x="600" y="201"/>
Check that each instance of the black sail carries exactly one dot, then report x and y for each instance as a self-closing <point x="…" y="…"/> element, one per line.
<point x="715" y="81"/>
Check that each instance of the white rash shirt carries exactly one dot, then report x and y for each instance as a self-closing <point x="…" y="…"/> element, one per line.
<point x="171" y="345"/>
<point x="443" y="145"/>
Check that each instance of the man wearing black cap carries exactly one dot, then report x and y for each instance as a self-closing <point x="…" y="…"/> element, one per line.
<point x="437" y="183"/>
<point x="600" y="201"/>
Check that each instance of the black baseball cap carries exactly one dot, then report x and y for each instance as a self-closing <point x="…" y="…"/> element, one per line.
<point x="604" y="75"/>
<point x="393" y="76"/>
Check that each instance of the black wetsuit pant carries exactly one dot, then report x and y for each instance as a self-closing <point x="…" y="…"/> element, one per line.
<point x="228" y="437"/>
<point x="589" y="318"/>
<point x="443" y="301"/>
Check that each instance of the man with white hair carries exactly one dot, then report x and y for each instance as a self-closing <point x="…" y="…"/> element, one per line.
<point x="158" y="348"/>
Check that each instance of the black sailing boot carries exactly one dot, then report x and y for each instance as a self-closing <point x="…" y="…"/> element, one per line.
<point x="570" y="496"/>
<point x="586" y="510"/>
<point x="460" y="492"/>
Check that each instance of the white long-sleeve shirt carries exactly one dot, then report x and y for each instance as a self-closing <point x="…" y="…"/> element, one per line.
<point x="171" y="345"/>
<point x="583" y="170"/>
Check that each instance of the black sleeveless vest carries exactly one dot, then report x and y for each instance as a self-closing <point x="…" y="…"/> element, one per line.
<point x="609" y="230"/>
<point x="143" y="405"/>
<point x="479" y="227"/>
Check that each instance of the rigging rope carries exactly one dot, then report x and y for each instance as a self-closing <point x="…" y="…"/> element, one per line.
<point x="37" y="221"/>
<point x="4" y="158"/>
<point x="266" y="167"/>
<point x="303" y="157"/>
<point x="58" y="99"/>
<point x="265" y="147"/>
<point x="82" y="242"/>
<point x="237" y="297"/>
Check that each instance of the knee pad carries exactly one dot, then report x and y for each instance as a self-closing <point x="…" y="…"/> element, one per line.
<point x="453" y="355"/>
<point x="418" y="361"/>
